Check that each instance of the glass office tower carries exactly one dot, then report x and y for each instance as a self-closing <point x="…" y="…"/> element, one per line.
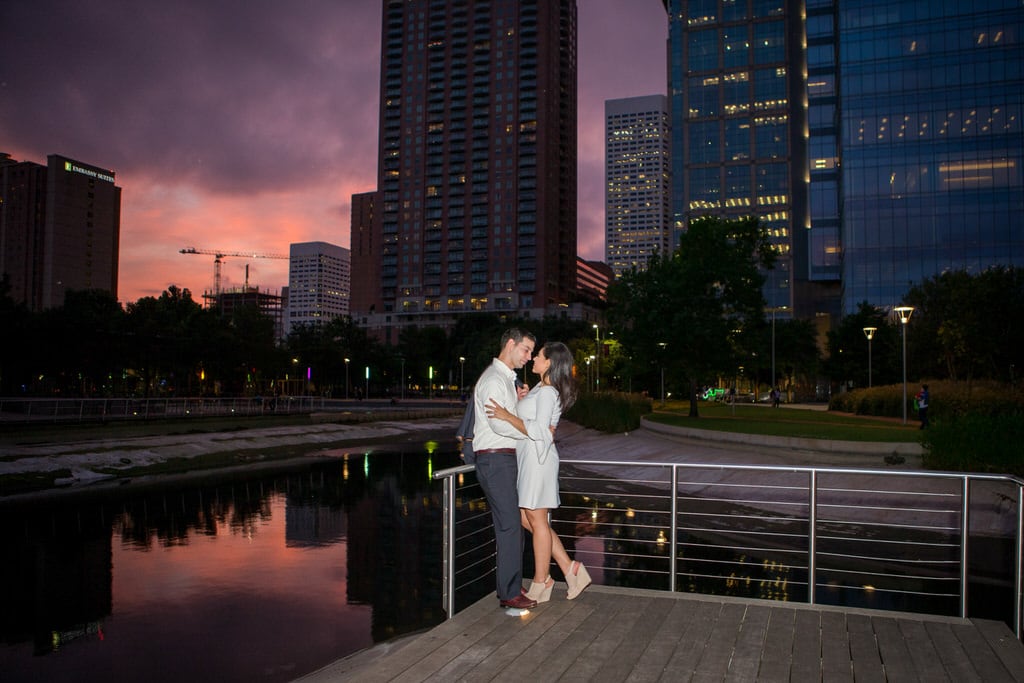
<point x="932" y="146"/>
<point x="737" y="99"/>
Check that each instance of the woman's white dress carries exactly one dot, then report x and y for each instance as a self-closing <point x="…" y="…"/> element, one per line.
<point x="537" y="456"/>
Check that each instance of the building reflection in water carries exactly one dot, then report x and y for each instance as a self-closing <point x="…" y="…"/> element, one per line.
<point x="245" y="577"/>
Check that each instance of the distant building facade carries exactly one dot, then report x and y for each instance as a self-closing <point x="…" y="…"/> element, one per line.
<point x="637" y="216"/>
<point x="881" y="143"/>
<point x="476" y="208"/>
<point x="60" y="228"/>
<point x="319" y="277"/>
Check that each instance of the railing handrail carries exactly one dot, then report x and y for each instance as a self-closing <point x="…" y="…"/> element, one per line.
<point x="811" y="487"/>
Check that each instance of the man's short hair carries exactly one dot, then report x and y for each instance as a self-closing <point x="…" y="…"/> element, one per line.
<point x="517" y="335"/>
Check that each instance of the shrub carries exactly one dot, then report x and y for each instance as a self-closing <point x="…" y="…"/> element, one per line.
<point x="609" y="412"/>
<point x="975" y="443"/>
<point x="948" y="400"/>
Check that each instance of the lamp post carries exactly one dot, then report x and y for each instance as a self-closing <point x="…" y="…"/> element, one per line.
<point x="346" y="377"/>
<point x="662" y="345"/>
<point x="904" y="312"/>
<point x="367" y="394"/>
<point x="402" y="390"/>
<point x="462" y="374"/>
<point x="869" y="332"/>
<point x="597" y="352"/>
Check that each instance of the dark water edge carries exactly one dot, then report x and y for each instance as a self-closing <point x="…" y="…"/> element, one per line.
<point x="251" y="575"/>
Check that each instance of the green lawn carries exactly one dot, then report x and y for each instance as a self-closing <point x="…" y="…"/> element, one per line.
<point x="796" y="422"/>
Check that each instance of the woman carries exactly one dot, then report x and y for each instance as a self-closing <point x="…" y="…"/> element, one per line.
<point x="538" y="415"/>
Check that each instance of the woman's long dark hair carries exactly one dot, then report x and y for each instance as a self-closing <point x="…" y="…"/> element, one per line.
<point x="559" y="373"/>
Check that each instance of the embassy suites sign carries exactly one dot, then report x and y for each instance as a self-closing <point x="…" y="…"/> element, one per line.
<point x="72" y="167"/>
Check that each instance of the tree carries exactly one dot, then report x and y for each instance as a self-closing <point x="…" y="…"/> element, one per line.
<point x="689" y="311"/>
<point x="967" y="326"/>
<point x="847" y="361"/>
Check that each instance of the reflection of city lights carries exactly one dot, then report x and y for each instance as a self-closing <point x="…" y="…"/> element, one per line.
<point x="869" y="588"/>
<point x="430" y="468"/>
<point x="661" y="537"/>
<point x="366" y="465"/>
<point x="462" y="479"/>
<point x="431" y="446"/>
<point x="593" y="514"/>
<point x="630" y="513"/>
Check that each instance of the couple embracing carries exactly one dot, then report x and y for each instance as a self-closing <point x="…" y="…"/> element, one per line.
<point x="517" y="463"/>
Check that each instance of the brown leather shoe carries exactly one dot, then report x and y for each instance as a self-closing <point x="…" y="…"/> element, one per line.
<point x="519" y="602"/>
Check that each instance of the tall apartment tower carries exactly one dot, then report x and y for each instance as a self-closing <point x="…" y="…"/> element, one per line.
<point x="737" y="88"/>
<point x="319" y="279"/>
<point x="636" y="207"/>
<point x="60" y="228"/>
<point x="476" y="208"/>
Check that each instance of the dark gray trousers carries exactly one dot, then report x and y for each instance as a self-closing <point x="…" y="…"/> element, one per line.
<point x="497" y="473"/>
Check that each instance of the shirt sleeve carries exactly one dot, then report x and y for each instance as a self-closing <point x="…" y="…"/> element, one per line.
<point x="548" y="411"/>
<point x="495" y="386"/>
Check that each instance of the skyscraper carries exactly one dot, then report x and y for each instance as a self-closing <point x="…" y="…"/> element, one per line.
<point x="60" y="228"/>
<point x="736" y="84"/>
<point x="476" y="203"/>
<point x="318" y="284"/>
<point x="880" y="141"/>
<point x="636" y="181"/>
<point x="932" y="143"/>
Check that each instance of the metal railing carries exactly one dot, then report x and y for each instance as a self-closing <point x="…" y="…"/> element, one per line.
<point x="925" y="542"/>
<point x="30" y="410"/>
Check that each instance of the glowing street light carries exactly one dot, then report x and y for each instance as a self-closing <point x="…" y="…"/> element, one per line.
<point x="904" y="313"/>
<point x="662" y="345"/>
<point x="462" y="374"/>
<point x="346" y="377"/>
<point x="869" y="332"/>
<point x="597" y="351"/>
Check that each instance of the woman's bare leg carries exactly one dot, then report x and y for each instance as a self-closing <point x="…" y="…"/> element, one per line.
<point x="542" y="544"/>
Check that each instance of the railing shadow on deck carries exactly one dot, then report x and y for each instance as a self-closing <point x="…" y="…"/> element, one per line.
<point x="925" y="542"/>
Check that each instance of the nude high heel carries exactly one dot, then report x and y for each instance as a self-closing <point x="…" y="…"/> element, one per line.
<point x="541" y="592"/>
<point x="577" y="579"/>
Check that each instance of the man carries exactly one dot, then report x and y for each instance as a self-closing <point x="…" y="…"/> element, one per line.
<point x="494" y="446"/>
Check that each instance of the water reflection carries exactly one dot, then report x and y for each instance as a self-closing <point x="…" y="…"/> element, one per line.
<point x="265" y="577"/>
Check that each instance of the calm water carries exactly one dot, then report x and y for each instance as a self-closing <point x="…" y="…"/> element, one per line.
<point x="261" y="577"/>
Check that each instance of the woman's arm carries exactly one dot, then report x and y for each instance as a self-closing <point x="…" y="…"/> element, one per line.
<point x="499" y="412"/>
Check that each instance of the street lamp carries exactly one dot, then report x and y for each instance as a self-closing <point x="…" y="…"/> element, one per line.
<point x="367" y="394"/>
<point x="346" y="377"/>
<point x="597" y="351"/>
<point x="594" y="375"/>
<point x="869" y="332"/>
<point x="904" y="312"/>
<point x="462" y="374"/>
<point x="662" y="345"/>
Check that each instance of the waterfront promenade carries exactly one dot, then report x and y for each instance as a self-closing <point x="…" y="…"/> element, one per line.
<point x="616" y="634"/>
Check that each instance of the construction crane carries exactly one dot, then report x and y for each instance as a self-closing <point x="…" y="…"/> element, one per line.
<point x="219" y="256"/>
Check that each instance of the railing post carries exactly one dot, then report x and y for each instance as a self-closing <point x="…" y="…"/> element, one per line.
<point x="812" y="535"/>
<point x="673" y="538"/>
<point x="448" y="570"/>
<point x="1019" y="555"/>
<point x="965" y="528"/>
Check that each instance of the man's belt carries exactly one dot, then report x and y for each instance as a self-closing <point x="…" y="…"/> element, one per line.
<point x="503" y="451"/>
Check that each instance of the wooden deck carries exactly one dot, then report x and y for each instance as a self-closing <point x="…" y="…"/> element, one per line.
<point x="614" y="634"/>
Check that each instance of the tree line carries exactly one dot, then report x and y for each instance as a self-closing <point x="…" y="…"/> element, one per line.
<point x="693" y="318"/>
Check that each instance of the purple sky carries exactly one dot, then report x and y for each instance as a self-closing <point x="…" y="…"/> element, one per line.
<point x="246" y="125"/>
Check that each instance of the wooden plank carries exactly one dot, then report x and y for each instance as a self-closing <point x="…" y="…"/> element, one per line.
<point x="836" y="657"/>
<point x="1004" y="643"/>
<point x="714" y="661"/>
<point x="663" y="642"/>
<point x="897" y="661"/>
<point x="746" y="654"/>
<point x="561" y="662"/>
<point x="776" y="657"/>
<point x="567" y="616"/>
<point x="923" y="656"/>
<point x="683" y="662"/>
<point x="601" y="658"/>
<point x="955" y="661"/>
<point x="647" y="620"/>
<point x="867" y="663"/>
<point x="807" y="660"/>
<point x="984" y="660"/>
